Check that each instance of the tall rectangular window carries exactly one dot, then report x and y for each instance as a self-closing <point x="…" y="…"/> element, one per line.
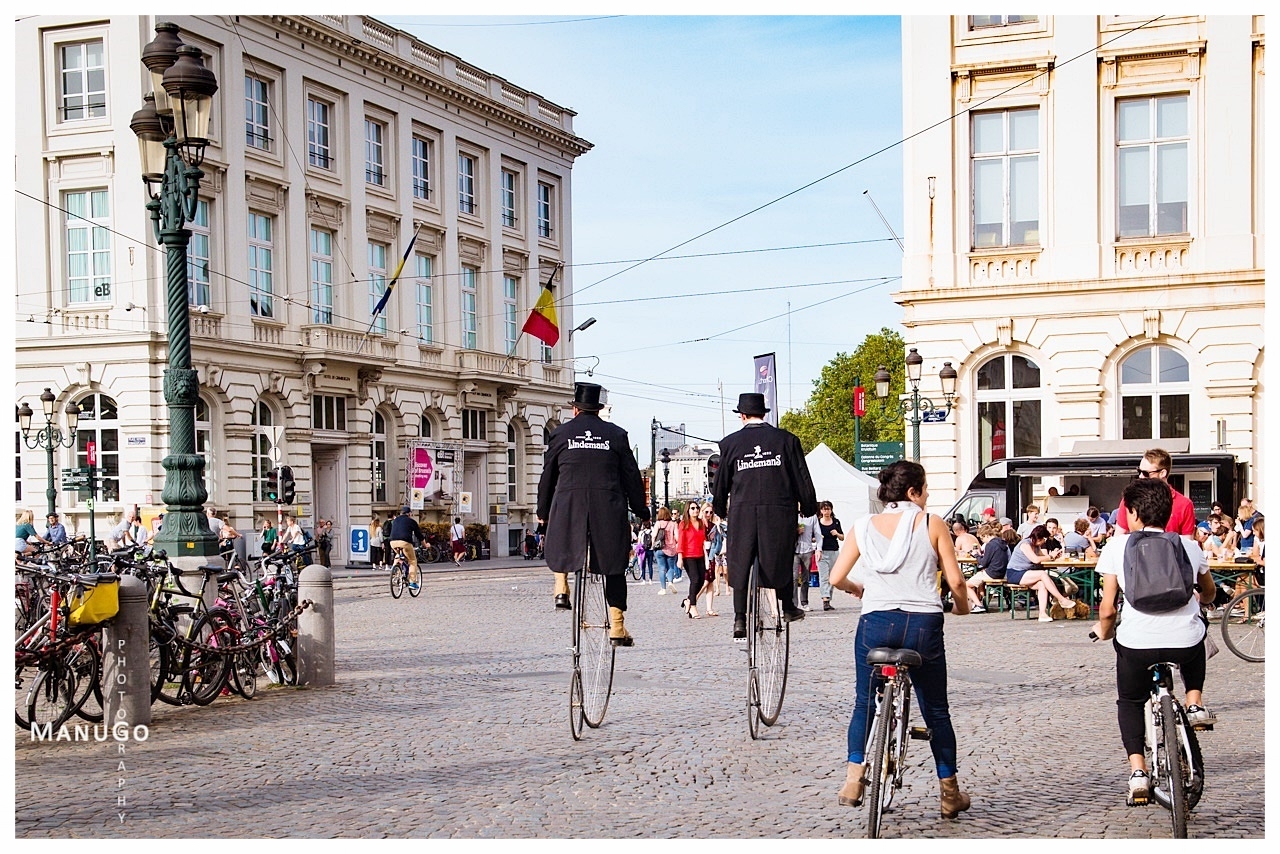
<point x="257" y="113"/>
<point x="423" y="271"/>
<point x="261" y="265"/>
<point x="977" y="22"/>
<point x="1153" y="170"/>
<point x="546" y="202"/>
<point x="544" y="352"/>
<point x="509" y="208"/>
<point x="321" y="276"/>
<point x="198" y="256"/>
<point x="475" y="425"/>
<point x="378" y="284"/>
<point x="88" y="236"/>
<point x="1006" y="178"/>
<point x="375" y="134"/>
<point x="466" y="183"/>
<point x="83" y="72"/>
<point x="469" y="307"/>
<point x="420" y="157"/>
<point x="328" y="412"/>
<point x="319" y="120"/>
<point x="510" y="320"/>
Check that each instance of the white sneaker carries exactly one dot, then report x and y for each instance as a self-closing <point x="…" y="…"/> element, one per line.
<point x="1139" y="788"/>
<point x="662" y="591"/>
<point x="804" y="606"/>
<point x="977" y="609"/>
<point x="1199" y="715"/>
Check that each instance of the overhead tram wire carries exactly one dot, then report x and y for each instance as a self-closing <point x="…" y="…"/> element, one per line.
<point x="951" y="118"/>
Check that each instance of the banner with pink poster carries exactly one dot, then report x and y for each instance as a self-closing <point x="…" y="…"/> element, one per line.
<point x="421" y="468"/>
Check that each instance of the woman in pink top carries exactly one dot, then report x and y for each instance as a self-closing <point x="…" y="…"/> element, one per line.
<point x="692" y="557"/>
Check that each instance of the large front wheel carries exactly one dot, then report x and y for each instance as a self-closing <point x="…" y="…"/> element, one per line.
<point x="596" y="651"/>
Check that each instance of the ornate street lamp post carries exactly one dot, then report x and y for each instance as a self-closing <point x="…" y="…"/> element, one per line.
<point x="666" y="478"/>
<point x="49" y="437"/>
<point x="916" y="406"/>
<point x="173" y="129"/>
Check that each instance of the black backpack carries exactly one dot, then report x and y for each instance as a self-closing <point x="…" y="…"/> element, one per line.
<point x="1158" y="574"/>
<point x="646" y="539"/>
<point x="660" y="537"/>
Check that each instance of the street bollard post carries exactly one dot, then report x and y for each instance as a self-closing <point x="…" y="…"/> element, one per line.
<point x="126" y="669"/>
<point x="315" y="646"/>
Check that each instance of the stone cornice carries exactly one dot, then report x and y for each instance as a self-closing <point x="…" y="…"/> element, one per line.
<point x="1243" y="387"/>
<point x="1230" y="278"/>
<point x="393" y="66"/>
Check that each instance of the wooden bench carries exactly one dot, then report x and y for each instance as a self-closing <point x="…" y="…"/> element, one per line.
<point x="1029" y="600"/>
<point x="996" y="587"/>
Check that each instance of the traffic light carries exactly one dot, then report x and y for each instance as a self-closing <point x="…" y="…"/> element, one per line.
<point x="713" y="466"/>
<point x="287" y="488"/>
<point x="273" y="485"/>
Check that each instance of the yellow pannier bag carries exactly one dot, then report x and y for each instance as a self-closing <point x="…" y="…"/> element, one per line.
<point x="90" y="605"/>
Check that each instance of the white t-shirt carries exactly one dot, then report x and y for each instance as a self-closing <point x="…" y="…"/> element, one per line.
<point x="1172" y="630"/>
<point x="457" y="532"/>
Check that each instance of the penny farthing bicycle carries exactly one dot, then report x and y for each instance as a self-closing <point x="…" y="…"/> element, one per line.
<point x="593" y="653"/>
<point x="768" y="652"/>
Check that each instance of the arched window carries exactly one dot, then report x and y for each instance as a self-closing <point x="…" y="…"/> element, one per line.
<point x="1155" y="395"/>
<point x="264" y="433"/>
<point x="100" y="423"/>
<point x="378" y="448"/>
<point x="204" y="446"/>
<point x="425" y="428"/>
<point x="1009" y="408"/>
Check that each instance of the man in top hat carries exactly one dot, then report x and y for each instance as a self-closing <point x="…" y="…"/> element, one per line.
<point x="589" y="476"/>
<point x="762" y="482"/>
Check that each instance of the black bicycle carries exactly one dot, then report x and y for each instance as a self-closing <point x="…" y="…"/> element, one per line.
<point x="593" y="653"/>
<point x="1243" y="624"/>
<point x="768" y="654"/>
<point x="886" y="750"/>
<point x="400" y="577"/>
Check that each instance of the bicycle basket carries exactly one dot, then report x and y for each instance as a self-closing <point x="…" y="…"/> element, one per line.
<point x="90" y="605"/>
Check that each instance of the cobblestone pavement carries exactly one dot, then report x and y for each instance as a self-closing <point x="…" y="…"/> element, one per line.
<point x="450" y="719"/>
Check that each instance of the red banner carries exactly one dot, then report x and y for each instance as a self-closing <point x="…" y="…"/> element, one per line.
<point x="91" y="453"/>
<point x="859" y="401"/>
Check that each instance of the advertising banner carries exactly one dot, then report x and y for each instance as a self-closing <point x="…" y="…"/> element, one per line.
<point x="766" y="384"/>
<point x="429" y="473"/>
<point x="421" y="469"/>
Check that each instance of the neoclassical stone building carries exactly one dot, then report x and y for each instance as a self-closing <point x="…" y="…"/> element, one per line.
<point x="1085" y="240"/>
<point x="335" y="138"/>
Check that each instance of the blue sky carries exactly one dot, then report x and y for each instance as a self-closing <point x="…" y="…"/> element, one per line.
<point x="696" y="121"/>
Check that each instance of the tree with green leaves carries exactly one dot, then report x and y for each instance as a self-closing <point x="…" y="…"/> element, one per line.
<point x="827" y="415"/>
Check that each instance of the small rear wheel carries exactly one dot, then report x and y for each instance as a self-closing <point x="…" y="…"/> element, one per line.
<point x="880" y="771"/>
<point x="576" y="717"/>
<point x="753" y="704"/>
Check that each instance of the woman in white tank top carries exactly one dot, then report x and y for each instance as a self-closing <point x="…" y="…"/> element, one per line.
<point x="891" y="562"/>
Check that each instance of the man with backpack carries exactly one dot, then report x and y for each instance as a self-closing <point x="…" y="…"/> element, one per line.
<point x="1165" y="578"/>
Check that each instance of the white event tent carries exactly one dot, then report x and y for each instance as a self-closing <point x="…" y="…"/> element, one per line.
<point x="852" y="493"/>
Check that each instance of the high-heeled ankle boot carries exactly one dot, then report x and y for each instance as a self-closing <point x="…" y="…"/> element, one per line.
<point x="851" y="792"/>
<point x="954" y="801"/>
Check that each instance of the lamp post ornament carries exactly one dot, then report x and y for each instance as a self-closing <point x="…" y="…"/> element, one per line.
<point x="915" y="407"/>
<point x="172" y="131"/>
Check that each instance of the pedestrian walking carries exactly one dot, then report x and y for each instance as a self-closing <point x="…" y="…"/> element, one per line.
<point x="806" y="545"/>
<point x="894" y="558"/>
<point x="375" y="544"/>
<point x="665" y="546"/>
<point x="589" y="477"/>
<point x="324" y="541"/>
<point x="458" y="540"/>
<point x="692" y="555"/>
<point x="832" y="535"/>
<point x="763" y="471"/>
<point x="646" y="553"/>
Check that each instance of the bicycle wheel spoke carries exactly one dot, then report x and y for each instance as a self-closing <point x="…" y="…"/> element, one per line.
<point x="596" y="652"/>
<point x="772" y="644"/>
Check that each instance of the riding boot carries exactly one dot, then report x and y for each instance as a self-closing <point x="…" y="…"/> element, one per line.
<point x="954" y="801"/>
<point x="851" y="793"/>
<point x="618" y="634"/>
<point x="562" y="590"/>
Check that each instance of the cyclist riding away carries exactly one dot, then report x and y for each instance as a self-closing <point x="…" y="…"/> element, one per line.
<point x="763" y="471"/>
<point x="405" y="535"/>
<point x="1150" y="634"/>
<point x="589" y="476"/>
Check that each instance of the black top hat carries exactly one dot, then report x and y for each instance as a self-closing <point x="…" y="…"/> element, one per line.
<point x="588" y="397"/>
<point x="751" y="403"/>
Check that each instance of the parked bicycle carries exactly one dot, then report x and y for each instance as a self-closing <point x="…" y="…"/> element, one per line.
<point x="1243" y="624"/>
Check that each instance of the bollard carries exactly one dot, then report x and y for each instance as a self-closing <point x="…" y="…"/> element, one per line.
<point x="126" y="668"/>
<point x="315" y="648"/>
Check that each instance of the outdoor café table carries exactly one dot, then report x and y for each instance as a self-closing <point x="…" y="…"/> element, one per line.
<point x="1081" y="571"/>
<point x="1230" y="572"/>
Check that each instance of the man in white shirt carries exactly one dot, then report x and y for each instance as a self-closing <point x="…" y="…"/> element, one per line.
<point x="806" y="543"/>
<point x="1033" y="519"/>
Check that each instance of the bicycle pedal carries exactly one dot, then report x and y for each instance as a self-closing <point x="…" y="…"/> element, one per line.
<point x="1138" y="802"/>
<point x="921" y="733"/>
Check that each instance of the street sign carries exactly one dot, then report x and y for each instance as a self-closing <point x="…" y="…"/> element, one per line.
<point x="360" y="543"/>
<point x="876" y="455"/>
<point x="933" y="416"/>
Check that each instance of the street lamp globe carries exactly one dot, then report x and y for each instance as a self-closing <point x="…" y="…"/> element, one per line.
<point x="191" y="87"/>
<point x="24" y="419"/>
<point x="948" y="377"/>
<point x="914" y="362"/>
<point x="47" y="397"/>
<point x="160" y="53"/>
<point x="73" y="417"/>
<point x="882" y="379"/>
<point x="147" y="125"/>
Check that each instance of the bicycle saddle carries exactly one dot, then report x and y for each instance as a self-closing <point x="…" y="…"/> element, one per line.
<point x="901" y="657"/>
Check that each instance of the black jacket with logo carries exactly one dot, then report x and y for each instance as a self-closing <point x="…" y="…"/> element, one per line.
<point x="589" y="476"/>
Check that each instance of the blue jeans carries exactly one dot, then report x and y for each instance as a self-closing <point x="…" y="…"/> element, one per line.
<point x="903" y="630"/>
<point x="666" y="568"/>
<point x="646" y="566"/>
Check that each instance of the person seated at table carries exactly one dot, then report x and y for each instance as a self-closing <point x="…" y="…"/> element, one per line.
<point x="1145" y="638"/>
<point x="992" y="564"/>
<point x="1097" y="524"/>
<point x="1078" y="541"/>
<point x="1258" y="554"/>
<point x="965" y="543"/>
<point x="1024" y="563"/>
<point x="1214" y="509"/>
<point x="1221" y="543"/>
<point x="1054" y="543"/>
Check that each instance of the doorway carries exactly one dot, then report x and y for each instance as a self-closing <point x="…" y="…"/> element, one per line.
<point x="328" y="498"/>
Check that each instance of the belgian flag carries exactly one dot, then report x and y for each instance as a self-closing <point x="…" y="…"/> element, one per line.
<point x="542" y="322"/>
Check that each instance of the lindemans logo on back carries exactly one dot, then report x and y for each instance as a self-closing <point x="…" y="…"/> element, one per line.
<point x="759" y="458"/>
<point x="588" y="441"/>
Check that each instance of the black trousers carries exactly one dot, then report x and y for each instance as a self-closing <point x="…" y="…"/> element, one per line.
<point x="1133" y="685"/>
<point x="785" y="593"/>
<point x="696" y="569"/>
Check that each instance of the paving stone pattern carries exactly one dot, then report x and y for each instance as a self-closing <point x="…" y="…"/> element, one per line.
<point x="450" y="719"/>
